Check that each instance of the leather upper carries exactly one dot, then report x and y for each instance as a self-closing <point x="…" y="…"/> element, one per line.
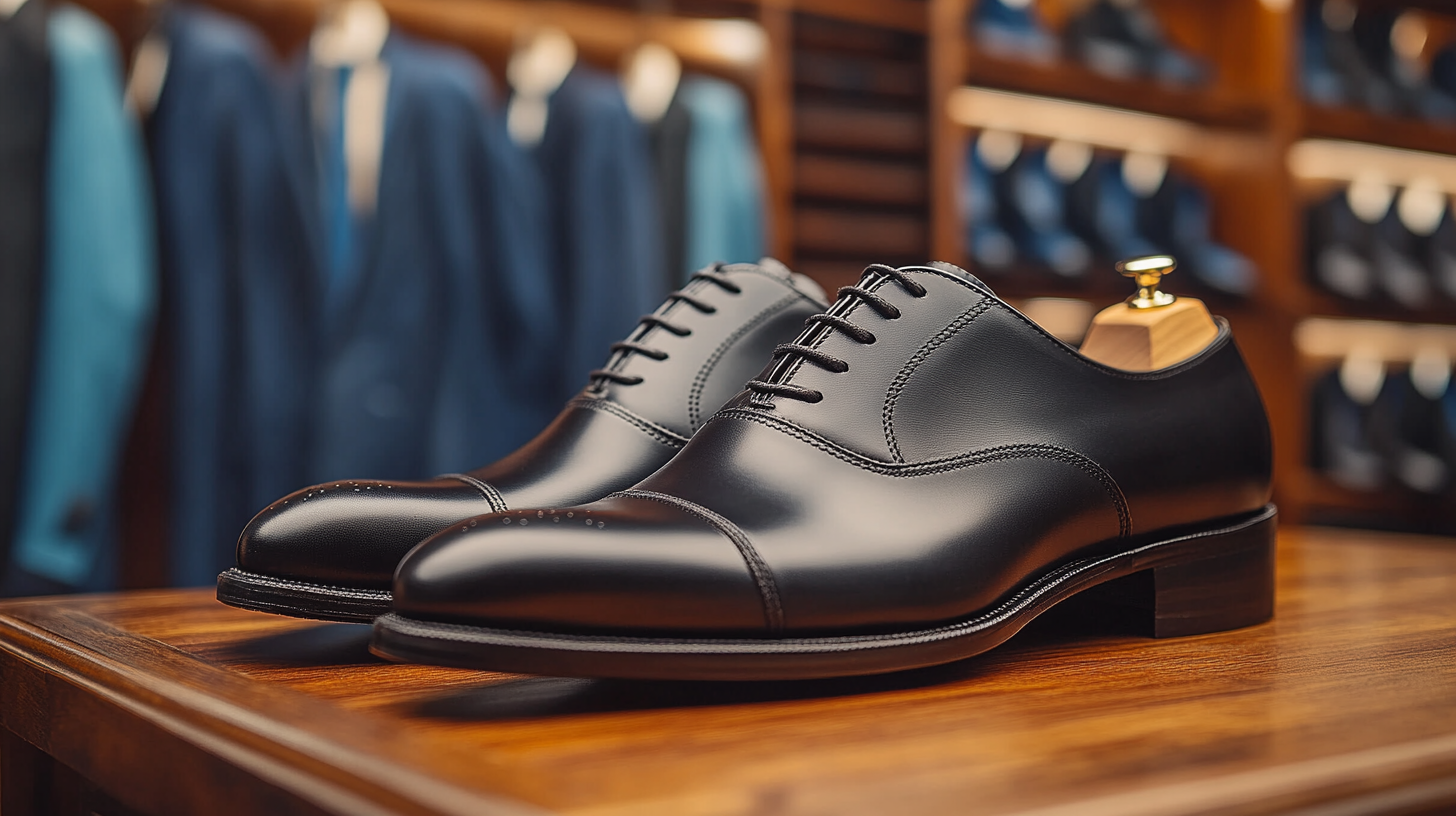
<point x="610" y="436"/>
<point x="963" y="452"/>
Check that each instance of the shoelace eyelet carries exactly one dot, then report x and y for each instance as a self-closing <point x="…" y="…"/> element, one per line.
<point x="601" y="376"/>
<point x="828" y="321"/>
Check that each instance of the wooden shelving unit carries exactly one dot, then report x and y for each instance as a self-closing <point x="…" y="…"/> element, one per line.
<point x="1362" y="126"/>
<point x="1251" y="138"/>
<point x="1069" y="80"/>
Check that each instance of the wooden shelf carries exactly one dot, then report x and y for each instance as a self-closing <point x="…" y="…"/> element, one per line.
<point x="1357" y="125"/>
<point x="1069" y="80"/>
<point x="1324" y="304"/>
<point x="1392" y="508"/>
<point x="169" y="702"/>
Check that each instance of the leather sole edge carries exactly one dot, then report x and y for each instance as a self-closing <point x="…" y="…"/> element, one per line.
<point x="256" y="592"/>
<point x="1203" y="581"/>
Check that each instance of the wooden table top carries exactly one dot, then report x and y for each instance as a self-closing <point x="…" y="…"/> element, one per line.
<point x="174" y="703"/>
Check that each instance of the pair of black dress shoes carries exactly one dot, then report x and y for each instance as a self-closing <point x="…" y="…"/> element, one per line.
<point x="908" y="481"/>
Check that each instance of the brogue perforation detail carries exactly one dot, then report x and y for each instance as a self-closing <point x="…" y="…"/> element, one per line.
<point x="950" y="463"/>
<point x="903" y="378"/>
<point x="773" y="611"/>
<point x="492" y="496"/>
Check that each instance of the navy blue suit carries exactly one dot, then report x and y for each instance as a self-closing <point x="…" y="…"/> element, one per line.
<point x="437" y="334"/>
<point x="239" y="290"/>
<point x="606" y="264"/>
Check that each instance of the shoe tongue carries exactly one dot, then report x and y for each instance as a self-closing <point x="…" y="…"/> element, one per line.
<point x="960" y="273"/>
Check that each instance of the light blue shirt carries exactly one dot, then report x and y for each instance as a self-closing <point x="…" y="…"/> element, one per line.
<point x="98" y="302"/>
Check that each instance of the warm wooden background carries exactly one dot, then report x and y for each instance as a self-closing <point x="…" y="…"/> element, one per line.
<point x="173" y="703"/>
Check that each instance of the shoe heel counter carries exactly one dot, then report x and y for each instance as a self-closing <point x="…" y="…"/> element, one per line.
<point x="1254" y="424"/>
<point x="1230" y="589"/>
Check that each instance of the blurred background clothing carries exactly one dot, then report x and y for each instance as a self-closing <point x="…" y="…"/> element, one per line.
<point x="350" y="268"/>
<point x="97" y="302"/>
<point x="238" y="327"/>
<point x="25" y="100"/>
<point x="390" y="239"/>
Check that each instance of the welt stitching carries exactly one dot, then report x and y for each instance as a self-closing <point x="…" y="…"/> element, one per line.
<point x="768" y="592"/>
<point x="958" y="462"/>
<point x="903" y="378"/>
<point x="492" y="496"/>
<point x="695" y="396"/>
<point x="283" y="583"/>
<point x="667" y="437"/>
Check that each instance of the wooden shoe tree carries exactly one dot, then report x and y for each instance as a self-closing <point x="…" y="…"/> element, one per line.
<point x="1152" y="329"/>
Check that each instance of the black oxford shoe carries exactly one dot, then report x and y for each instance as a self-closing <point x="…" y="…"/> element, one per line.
<point x="329" y="551"/>
<point x="922" y="472"/>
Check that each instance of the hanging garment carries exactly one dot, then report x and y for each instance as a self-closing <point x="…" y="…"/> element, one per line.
<point x="239" y="290"/>
<point x="25" y="109"/>
<point x="668" y="138"/>
<point x="606" y="259"/>
<point x="439" y="316"/>
<point x="98" y="302"/>
<point x="725" y="189"/>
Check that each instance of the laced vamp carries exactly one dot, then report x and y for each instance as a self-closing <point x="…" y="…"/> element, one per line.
<point x="831" y="320"/>
<point x="626" y="348"/>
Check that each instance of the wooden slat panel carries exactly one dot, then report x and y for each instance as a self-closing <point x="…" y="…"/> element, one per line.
<point x="860" y="180"/>
<point x="862" y="129"/>
<point x="873" y="236"/>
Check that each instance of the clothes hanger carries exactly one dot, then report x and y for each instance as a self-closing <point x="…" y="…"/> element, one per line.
<point x="148" y="72"/>
<point x="651" y="71"/>
<point x="541" y="61"/>
<point x="650" y="77"/>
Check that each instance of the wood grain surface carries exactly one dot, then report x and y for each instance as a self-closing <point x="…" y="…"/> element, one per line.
<point x="1346" y="703"/>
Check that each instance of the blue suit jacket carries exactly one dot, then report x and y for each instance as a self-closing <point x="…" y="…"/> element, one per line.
<point x="438" y="342"/>
<point x="606" y="263"/>
<point x="96" y="310"/>
<point x="724" y="177"/>
<point x="239" y="289"/>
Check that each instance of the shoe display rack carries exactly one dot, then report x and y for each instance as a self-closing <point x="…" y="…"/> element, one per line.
<point x="1220" y="94"/>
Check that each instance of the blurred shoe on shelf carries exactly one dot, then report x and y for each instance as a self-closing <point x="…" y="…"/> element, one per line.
<point x="1012" y="28"/>
<point x="1102" y="210"/>
<point x="1033" y="210"/>
<point x="1423" y="449"/>
<point x="1343" y="427"/>
<point x="1177" y="217"/>
<point x="1336" y="249"/>
<point x="990" y="248"/>
<point x="1403" y="279"/>
<point x="1334" y="69"/>
<point x="1443" y="70"/>
<point x="1122" y="39"/>
<point x="1425" y="210"/>
<point x="1391" y="41"/>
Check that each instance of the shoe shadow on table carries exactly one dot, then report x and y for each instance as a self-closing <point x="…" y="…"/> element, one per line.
<point x="1072" y="623"/>
<point x="323" y="644"/>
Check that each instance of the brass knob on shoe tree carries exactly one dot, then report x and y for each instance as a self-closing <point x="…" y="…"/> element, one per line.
<point x="1148" y="271"/>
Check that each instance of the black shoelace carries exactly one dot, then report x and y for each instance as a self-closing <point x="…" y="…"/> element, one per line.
<point x="787" y="353"/>
<point x="627" y="348"/>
